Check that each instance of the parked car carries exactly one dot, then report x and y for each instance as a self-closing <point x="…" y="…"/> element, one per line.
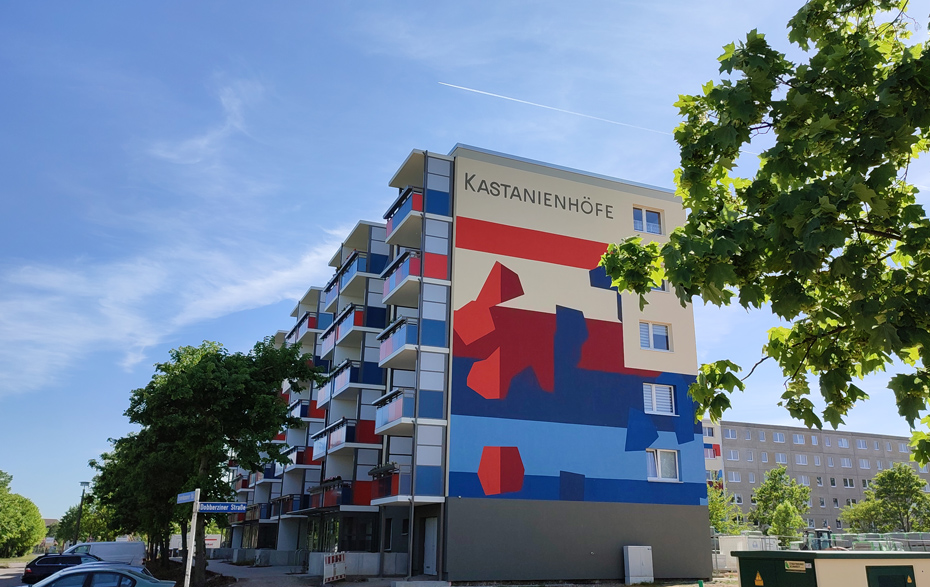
<point x="102" y="575"/>
<point x="131" y="553"/>
<point x="136" y="568"/>
<point x="50" y="564"/>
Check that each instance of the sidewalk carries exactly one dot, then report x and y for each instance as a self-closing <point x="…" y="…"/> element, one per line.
<point x="285" y="576"/>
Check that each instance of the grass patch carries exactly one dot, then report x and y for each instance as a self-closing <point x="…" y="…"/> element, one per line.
<point x="6" y="562"/>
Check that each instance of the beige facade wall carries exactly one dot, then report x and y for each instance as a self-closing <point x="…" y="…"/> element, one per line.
<point x="849" y="572"/>
<point x="547" y="285"/>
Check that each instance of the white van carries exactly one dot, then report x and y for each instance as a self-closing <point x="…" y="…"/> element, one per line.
<point x="131" y="553"/>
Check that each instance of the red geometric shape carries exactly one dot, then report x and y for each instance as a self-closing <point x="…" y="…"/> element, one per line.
<point x="315" y="412"/>
<point x="365" y="432"/>
<point x="435" y="266"/>
<point x="485" y="377"/>
<point x="361" y="492"/>
<point x="473" y="320"/>
<point x="523" y="243"/>
<point x="501" y="470"/>
<point x="417" y="203"/>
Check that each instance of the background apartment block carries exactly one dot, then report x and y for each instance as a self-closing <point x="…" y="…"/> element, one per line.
<point x="494" y="409"/>
<point x="837" y="466"/>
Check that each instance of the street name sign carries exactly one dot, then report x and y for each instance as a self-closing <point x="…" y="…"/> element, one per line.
<point x="186" y="497"/>
<point x="214" y="507"/>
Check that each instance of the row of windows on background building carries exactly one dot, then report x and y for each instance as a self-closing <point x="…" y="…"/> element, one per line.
<point x="802" y="459"/>
<point x="800" y="439"/>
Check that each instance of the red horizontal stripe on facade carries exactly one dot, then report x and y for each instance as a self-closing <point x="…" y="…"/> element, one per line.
<point x="523" y="243"/>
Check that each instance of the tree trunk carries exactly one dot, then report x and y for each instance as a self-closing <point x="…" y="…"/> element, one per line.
<point x="184" y="545"/>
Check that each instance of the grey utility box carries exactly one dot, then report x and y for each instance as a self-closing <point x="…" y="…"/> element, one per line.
<point x="637" y="564"/>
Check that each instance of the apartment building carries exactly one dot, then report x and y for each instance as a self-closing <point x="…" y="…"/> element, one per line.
<point x="837" y="466"/>
<point x="495" y="410"/>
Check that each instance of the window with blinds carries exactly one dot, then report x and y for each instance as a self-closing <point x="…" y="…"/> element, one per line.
<point x="658" y="399"/>
<point x="653" y="336"/>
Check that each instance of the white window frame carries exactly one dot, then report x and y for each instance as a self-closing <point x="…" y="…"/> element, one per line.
<point x="761" y="435"/>
<point x="800" y="459"/>
<point x="650" y="329"/>
<point x="781" y="458"/>
<point x="778" y="435"/>
<point x="655" y="455"/>
<point x="729" y="433"/>
<point x="645" y="224"/>
<point x="749" y="456"/>
<point x="862" y="444"/>
<point x="752" y="477"/>
<point x="708" y="432"/>
<point x="819" y="481"/>
<point x="846" y="463"/>
<point x="816" y="460"/>
<point x="813" y="440"/>
<point x="732" y="454"/>
<point x="842" y="442"/>
<point x="734" y="477"/>
<point x="864" y="464"/>
<point x="804" y="480"/>
<point x="829" y="461"/>
<point x="826" y="441"/>
<point x="765" y="457"/>
<point x="902" y="447"/>
<point x="797" y="439"/>
<point x="652" y="392"/>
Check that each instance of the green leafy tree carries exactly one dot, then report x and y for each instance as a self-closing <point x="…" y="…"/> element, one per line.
<point x="725" y="515"/>
<point x="827" y="232"/>
<point x="866" y="516"/>
<point x="899" y="490"/>
<point x="21" y="523"/>
<point x="786" y="523"/>
<point x="210" y="405"/>
<point x="777" y="487"/>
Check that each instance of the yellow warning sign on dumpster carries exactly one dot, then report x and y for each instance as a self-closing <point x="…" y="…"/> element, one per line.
<point x="909" y="580"/>
<point x="759" y="579"/>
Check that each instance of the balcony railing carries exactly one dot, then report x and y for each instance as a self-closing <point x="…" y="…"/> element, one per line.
<point x="243" y="483"/>
<point x="394" y="406"/>
<point x="290" y="503"/>
<point x="411" y="200"/>
<point x="396" y="274"/>
<point x="389" y="481"/>
<point x="351" y="317"/>
<point x="299" y="455"/>
<point x="396" y="336"/>
<point x="331" y="292"/>
<point x="236" y="518"/>
<point x="258" y="511"/>
<point x="319" y="447"/>
<point x="342" y="433"/>
<point x="331" y="494"/>
<point x="309" y="322"/>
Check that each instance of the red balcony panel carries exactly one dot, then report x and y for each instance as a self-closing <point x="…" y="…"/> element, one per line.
<point x="311" y="321"/>
<point x="365" y="432"/>
<point x="361" y="492"/>
<point x="280" y="436"/>
<point x="315" y="412"/>
<point x="716" y="450"/>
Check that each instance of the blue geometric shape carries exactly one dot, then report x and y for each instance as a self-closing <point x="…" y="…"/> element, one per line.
<point x="429" y="480"/>
<point x="598" y="278"/>
<point x="433" y="333"/>
<point x="571" y="486"/>
<point x="640" y="431"/>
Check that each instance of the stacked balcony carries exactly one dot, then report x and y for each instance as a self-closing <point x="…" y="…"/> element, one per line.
<point x="306" y="411"/>
<point x="395" y="412"/>
<point x="308" y="326"/>
<point x="260" y="512"/>
<point x="399" y="344"/>
<point x="405" y="218"/>
<point x="335" y="493"/>
<point x="300" y="457"/>
<point x="287" y="505"/>
<point x="402" y="281"/>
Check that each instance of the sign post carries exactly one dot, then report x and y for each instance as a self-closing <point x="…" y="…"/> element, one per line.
<point x="184" y="498"/>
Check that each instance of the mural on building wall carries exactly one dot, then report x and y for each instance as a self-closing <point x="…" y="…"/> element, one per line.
<point x="543" y="405"/>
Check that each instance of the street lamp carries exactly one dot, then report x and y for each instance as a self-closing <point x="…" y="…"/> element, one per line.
<point x="77" y="531"/>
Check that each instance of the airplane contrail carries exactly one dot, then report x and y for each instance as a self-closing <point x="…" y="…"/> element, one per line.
<point x="554" y="108"/>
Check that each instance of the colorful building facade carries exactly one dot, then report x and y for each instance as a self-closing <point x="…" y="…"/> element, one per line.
<point x="513" y="417"/>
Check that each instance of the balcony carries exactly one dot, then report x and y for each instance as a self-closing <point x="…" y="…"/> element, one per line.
<point x="395" y="411"/>
<point x="399" y="345"/>
<point x="236" y="519"/>
<point x="405" y="219"/>
<point x="350" y="326"/>
<point x="334" y="493"/>
<point x="331" y="294"/>
<point x="309" y="325"/>
<point x="258" y="512"/>
<point x="402" y="281"/>
<point x="320" y="443"/>
<point x="243" y="485"/>
<point x="270" y="474"/>
<point x="287" y="504"/>
<point x="349" y="434"/>
<point x="352" y="376"/>
<point x="392" y="484"/>
<point x="359" y="264"/>
<point x="300" y="458"/>
<point x="306" y="410"/>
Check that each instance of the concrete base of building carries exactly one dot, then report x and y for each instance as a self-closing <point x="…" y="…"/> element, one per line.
<point x="416" y="583"/>
<point x="525" y="540"/>
<point x="363" y="564"/>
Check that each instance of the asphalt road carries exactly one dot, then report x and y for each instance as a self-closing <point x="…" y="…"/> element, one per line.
<point x="10" y="577"/>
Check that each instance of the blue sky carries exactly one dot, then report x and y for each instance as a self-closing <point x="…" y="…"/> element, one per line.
<point x="174" y="171"/>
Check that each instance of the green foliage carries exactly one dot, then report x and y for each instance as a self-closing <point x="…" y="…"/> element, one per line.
<point x="777" y="488"/>
<point x="201" y="408"/>
<point x="827" y="233"/>
<point x="866" y="516"/>
<point x="786" y="523"/>
<point x="724" y="513"/>
<point x="96" y="524"/>
<point x="21" y="524"/>
<point x="896" y="502"/>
